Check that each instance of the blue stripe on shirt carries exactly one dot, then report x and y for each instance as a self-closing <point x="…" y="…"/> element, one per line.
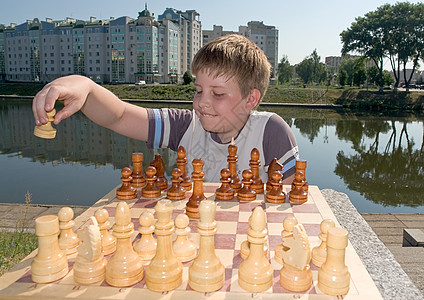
<point x="158" y="128"/>
<point x="290" y="164"/>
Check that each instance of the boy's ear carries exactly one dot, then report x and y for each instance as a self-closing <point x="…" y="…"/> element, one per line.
<point x="253" y="99"/>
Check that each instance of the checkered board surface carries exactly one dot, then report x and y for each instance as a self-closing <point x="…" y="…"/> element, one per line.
<point x="232" y="224"/>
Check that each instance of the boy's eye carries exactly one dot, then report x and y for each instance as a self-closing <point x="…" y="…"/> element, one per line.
<point x="218" y="94"/>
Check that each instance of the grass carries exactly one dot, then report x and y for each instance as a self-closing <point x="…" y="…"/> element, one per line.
<point x="16" y="245"/>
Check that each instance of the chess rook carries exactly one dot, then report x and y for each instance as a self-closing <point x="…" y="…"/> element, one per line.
<point x="46" y="131"/>
<point x="108" y="240"/>
<point x="225" y="192"/>
<point x="125" y="267"/>
<point x="50" y="263"/>
<point x="192" y="207"/>
<point x="254" y="164"/>
<point x="145" y="246"/>
<point x="301" y="167"/>
<point x="206" y="273"/>
<point x="164" y="273"/>
<point x="126" y="191"/>
<point x="334" y="276"/>
<point x="138" y="178"/>
<point x="255" y="273"/>
<point x="186" y="181"/>
<point x="68" y="240"/>
<point x="151" y="190"/>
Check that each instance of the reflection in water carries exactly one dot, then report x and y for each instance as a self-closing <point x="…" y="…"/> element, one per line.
<point x="376" y="160"/>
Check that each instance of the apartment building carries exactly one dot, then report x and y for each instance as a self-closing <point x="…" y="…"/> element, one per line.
<point x="264" y="36"/>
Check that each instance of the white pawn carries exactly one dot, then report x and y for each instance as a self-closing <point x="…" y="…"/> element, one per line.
<point x="90" y="264"/>
<point x="146" y="245"/>
<point x="68" y="240"/>
<point x="184" y="248"/>
<point x="288" y="225"/>
<point x="319" y="253"/>
<point x="245" y="247"/>
<point x="108" y="240"/>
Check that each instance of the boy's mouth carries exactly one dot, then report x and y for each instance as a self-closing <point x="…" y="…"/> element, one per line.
<point x="205" y="114"/>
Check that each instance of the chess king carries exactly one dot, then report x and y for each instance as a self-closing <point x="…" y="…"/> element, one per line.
<point x="232" y="77"/>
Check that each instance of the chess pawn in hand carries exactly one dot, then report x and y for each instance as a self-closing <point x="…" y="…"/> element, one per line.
<point x="46" y="131"/>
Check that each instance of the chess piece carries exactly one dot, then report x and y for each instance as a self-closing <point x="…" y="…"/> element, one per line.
<point x="164" y="273"/>
<point x="126" y="191"/>
<point x="186" y="181"/>
<point x="232" y="159"/>
<point x="255" y="273"/>
<point x="276" y="194"/>
<point x="161" y="180"/>
<point x="46" y="131"/>
<point x="108" y="240"/>
<point x="225" y="192"/>
<point x="206" y="273"/>
<point x="90" y="264"/>
<point x="125" y="267"/>
<point x="334" y="276"/>
<point x="288" y="226"/>
<point x="319" y="253"/>
<point x="275" y="165"/>
<point x="192" y="206"/>
<point x="138" y="178"/>
<point x="68" y="240"/>
<point x="301" y="167"/>
<point x="184" y="248"/>
<point x="254" y="164"/>
<point x="50" y="263"/>
<point x="245" y="246"/>
<point x="151" y="190"/>
<point x="246" y="193"/>
<point x="176" y="191"/>
<point x="298" y="194"/>
<point x="145" y="246"/>
<point x="296" y="274"/>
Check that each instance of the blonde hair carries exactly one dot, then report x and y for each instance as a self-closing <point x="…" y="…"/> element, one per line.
<point x="235" y="56"/>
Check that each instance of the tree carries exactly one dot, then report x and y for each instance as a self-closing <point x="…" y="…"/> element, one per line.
<point x="285" y="70"/>
<point x="373" y="75"/>
<point x="311" y="69"/>
<point x="342" y="77"/>
<point x="304" y="70"/>
<point x="187" y="78"/>
<point x="388" y="78"/>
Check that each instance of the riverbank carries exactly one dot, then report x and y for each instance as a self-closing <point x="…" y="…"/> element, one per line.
<point x="314" y="96"/>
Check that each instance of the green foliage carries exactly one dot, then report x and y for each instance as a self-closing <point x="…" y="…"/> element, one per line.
<point x="285" y="70"/>
<point x="311" y="69"/>
<point x="187" y="77"/>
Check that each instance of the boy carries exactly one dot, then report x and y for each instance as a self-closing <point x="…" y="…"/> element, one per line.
<point x="232" y="76"/>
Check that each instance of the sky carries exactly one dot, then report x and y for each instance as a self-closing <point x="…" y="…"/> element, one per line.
<point x="303" y="25"/>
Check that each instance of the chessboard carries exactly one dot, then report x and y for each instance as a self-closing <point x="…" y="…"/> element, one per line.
<point x="232" y="224"/>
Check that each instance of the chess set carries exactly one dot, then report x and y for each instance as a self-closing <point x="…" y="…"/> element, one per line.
<point x="185" y="238"/>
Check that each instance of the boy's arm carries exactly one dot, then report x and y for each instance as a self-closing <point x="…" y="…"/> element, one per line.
<point x="97" y="103"/>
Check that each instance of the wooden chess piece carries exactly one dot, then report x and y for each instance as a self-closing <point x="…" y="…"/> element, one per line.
<point x="246" y="193"/>
<point x="298" y="194"/>
<point x="164" y="273"/>
<point x="161" y="180"/>
<point x="146" y="245"/>
<point x="50" y="263"/>
<point x="184" y="248"/>
<point x="186" y="181"/>
<point x="245" y="246"/>
<point x="254" y="164"/>
<point x="225" y="192"/>
<point x="126" y="191"/>
<point x="151" y="190"/>
<point x="192" y="206"/>
<point x="206" y="273"/>
<point x="125" y="267"/>
<point x="255" y="273"/>
<point x="46" y="131"/>
<point x="138" y="178"/>
<point x="176" y="191"/>
<point x="288" y="226"/>
<point x="276" y="194"/>
<point x="296" y="274"/>
<point x="301" y="167"/>
<point x="107" y="239"/>
<point x="90" y="264"/>
<point x="334" y="276"/>
<point x="68" y="240"/>
<point x="232" y="160"/>
<point x="319" y="253"/>
<point x="275" y="165"/>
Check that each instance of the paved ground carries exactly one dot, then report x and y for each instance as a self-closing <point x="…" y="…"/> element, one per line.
<point x="388" y="227"/>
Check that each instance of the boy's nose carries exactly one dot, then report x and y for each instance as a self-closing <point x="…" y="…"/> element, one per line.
<point x="204" y="100"/>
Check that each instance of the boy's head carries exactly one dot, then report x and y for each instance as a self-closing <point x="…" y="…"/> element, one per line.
<point x="235" y="56"/>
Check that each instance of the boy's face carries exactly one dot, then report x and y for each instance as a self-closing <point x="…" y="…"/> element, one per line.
<point x="219" y="105"/>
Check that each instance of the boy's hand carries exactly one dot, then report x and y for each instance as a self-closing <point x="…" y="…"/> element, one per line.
<point x="72" y="90"/>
